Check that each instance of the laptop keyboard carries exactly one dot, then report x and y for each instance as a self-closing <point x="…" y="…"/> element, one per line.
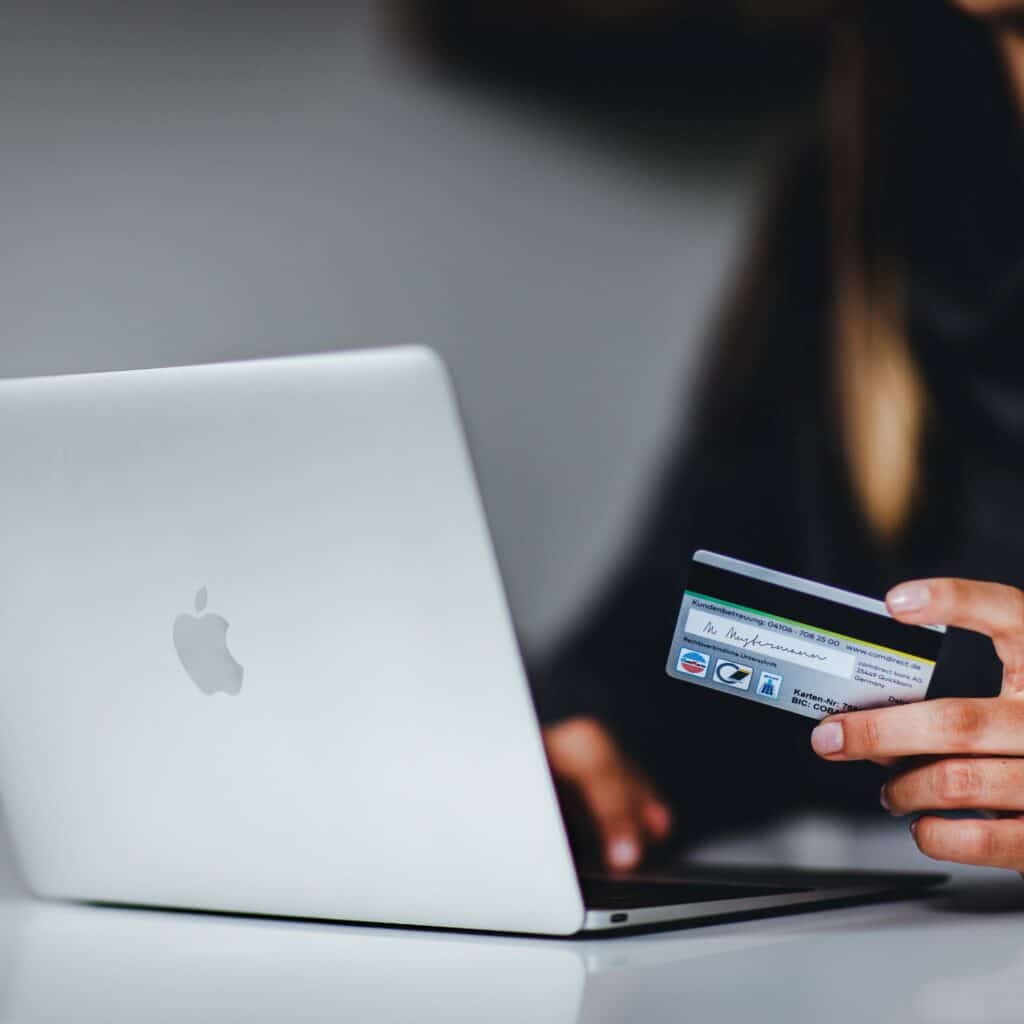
<point x="613" y="894"/>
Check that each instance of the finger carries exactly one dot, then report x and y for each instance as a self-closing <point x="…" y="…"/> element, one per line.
<point x="616" y="817"/>
<point x="579" y="747"/>
<point x="657" y="816"/>
<point x="989" y="725"/>
<point x="990" y="608"/>
<point x="996" y="844"/>
<point x="618" y="803"/>
<point x="974" y="783"/>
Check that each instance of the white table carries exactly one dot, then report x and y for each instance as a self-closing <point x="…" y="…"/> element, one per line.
<point x="954" y="957"/>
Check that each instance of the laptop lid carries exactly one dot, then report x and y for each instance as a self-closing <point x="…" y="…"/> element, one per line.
<point x="257" y="655"/>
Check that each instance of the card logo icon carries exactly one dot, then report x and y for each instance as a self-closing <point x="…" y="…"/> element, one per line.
<point x="693" y="663"/>
<point x="734" y="675"/>
<point x="202" y="646"/>
<point x="769" y="685"/>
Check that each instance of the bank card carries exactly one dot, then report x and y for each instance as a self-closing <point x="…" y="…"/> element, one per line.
<point x="794" y="644"/>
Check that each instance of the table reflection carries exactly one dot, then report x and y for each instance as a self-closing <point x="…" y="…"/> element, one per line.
<point x="954" y="958"/>
<point x="95" y="964"/>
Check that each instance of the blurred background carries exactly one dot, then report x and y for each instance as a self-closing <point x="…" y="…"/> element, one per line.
<point x="551" y="194"/>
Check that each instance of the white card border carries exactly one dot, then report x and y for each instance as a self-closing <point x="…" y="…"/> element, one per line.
<point x="798" y="583"/>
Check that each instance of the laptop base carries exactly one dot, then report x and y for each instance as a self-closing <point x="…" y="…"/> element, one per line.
<point x="614" y="904"/>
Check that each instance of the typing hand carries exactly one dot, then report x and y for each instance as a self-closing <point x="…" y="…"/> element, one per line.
<point x="964" y="754"/>
<point x="606" y="797"/>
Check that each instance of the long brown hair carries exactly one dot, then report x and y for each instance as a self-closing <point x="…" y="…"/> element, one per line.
<point x="880" y="396"/>
<point x="861" y="159"/>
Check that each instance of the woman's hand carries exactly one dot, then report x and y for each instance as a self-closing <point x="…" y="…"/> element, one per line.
<point x="605" y="796"/>
<point x="973" y="748"/>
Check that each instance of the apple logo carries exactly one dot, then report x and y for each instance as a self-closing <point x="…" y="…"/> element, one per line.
<point x="202" y="646"/>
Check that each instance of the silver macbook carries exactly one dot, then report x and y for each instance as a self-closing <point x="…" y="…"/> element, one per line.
<point x="257" y="658"/>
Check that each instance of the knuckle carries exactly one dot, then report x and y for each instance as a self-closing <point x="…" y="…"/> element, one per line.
<point x="968" y="842"/>
<point x="979" y="843"/>
<point x="586" y="731"/>
<point x="898" y="793"/>
<point x="1015" y="599"/>
<point x="870" y="739"/>
<point x="565" y="737"/>
<point x="620" y="824"/>
<point x="961" y="722"/>
<point x="948" y="595"/>
<point x="958" y="782"/>
<point x="1008" y="622"/>
<point x="591" y="749"/>
<point x="608" y="799"/>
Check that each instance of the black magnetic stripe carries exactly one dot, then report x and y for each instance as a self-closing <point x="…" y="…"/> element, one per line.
<point x="774" y="599"/>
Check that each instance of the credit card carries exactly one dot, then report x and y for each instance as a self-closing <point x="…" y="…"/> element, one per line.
<point x="795" y="644"/>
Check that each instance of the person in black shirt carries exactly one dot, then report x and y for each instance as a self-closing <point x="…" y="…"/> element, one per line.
<point x="861" y="423"/>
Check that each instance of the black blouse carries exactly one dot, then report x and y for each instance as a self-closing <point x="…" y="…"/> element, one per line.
<point x="763" y="477"/>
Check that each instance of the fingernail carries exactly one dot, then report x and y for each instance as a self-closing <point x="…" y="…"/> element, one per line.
<point x="883" y="799"/>
<point x="913" y="827"/>
<point x="909" y="597"/>
<point x="827" y="738"/>
<point x="623" y="854"/>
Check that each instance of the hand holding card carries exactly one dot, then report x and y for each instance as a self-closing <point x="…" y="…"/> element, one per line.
<point x="962" y="754"/>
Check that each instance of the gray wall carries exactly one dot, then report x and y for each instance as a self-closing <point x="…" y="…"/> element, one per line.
<point x="243" y="180"/>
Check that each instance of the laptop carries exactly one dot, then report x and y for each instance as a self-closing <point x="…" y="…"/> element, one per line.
<point x="257" y="659"/>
